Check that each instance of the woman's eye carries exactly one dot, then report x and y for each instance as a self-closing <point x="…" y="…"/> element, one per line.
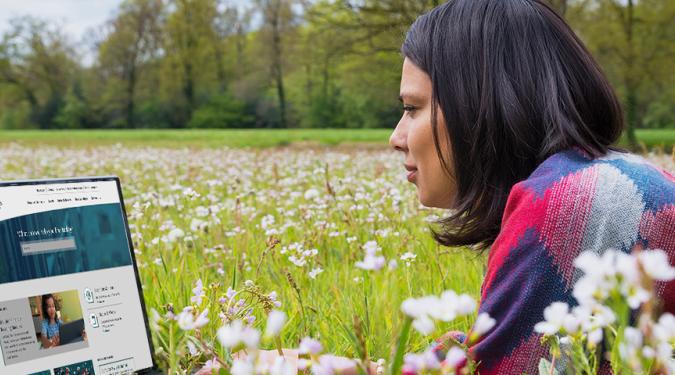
<point x="409" y="108"/>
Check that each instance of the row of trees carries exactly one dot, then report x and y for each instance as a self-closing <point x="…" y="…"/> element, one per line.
<point x="282" y="63"/>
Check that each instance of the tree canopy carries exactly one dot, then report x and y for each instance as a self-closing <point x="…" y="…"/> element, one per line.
<point x="283" y="63"/>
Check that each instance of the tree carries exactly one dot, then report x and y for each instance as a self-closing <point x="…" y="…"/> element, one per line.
<point x="189" y="50"/>
<point x="279" y="20"/>
<point x="37" y="61"/>
<point x="133" y="40"/>
<point x="634" y="43"/>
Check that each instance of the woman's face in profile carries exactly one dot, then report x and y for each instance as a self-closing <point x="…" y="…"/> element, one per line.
<point x="51" y="308"/>
<point x="414" y="137"/>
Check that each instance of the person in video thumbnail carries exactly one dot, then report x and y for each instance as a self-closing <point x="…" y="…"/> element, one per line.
<point x="51" y="324"/>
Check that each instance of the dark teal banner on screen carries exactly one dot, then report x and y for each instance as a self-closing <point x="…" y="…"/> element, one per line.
<point x="62" y="242"/>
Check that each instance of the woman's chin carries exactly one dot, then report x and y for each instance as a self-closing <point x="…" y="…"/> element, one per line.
<point x="430" y="202"/>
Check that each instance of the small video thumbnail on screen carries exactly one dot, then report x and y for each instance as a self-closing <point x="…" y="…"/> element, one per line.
<point x="58" y="319"/>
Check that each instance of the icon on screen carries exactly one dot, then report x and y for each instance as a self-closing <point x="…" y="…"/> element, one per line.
<point x="93" y="320"/>
<point x="88" y="295"/>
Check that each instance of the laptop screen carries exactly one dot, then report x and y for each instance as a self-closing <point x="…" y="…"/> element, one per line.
<point x="70" y="301"/>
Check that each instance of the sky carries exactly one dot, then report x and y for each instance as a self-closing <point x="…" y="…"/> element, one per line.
<point x="77" y="17"/>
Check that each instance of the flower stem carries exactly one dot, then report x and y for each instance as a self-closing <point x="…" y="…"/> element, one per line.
<point x="397" y="362"/>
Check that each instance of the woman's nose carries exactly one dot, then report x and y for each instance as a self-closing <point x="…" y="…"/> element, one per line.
<point x="398" y="139"/>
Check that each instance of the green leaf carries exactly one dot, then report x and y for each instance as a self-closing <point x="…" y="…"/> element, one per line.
<point x="397" y="363"/>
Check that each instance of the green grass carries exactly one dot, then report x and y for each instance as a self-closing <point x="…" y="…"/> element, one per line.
<point x="199" y="138"/>
<point x="257" y="138"/>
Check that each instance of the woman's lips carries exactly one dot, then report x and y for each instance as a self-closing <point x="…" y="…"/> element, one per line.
<point x="411" y="175"/>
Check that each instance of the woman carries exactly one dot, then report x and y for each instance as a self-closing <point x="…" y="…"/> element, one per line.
<point x="509" y="121"/>
<point x="51" y="325"/>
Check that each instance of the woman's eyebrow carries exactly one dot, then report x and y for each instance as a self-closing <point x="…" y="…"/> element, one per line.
<point x="408" y="96"/>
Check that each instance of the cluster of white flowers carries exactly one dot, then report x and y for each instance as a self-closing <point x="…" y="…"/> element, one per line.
<point x="584" y="319"/>
<point x="188" y="321"/>
<point x="602" y="274"/>
<point x="611" y="280"/>
<point x="300" y="256"/>
<point x="428" y="361"/>
<point x="372" y="261"/>
<point x="649" y="342"/>
<point x="446" y="308"/>
<point x="236" y="336"/>
<point x="408" y="258"/>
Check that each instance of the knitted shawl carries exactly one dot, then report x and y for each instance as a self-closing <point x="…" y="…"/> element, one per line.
<point x="569" y="204"/>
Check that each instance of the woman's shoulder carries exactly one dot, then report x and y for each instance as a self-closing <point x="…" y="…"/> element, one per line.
<point x="573" y="203"/>
<point x="615" y="171"/>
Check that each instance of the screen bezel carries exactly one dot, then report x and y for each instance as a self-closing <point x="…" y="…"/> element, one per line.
<point x="129" y="242"/>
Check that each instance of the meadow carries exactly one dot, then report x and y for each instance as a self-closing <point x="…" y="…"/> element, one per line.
<point x="267" y="227"/>
<point x="255" y="138"/>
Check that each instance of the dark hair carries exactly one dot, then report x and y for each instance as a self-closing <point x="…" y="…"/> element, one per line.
<point x="515" y="85"/>
<point x="44" y="299"/>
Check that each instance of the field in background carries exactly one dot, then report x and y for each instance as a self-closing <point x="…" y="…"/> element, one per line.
<point x="245" y="137"/>
<point x="294" y="221"/>
<point x="211" y="214"/>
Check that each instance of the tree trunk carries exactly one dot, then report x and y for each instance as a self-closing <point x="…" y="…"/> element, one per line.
<point x="131" y="88"/>
<point x="630" y="80"/>
<point x="277" y="68"/>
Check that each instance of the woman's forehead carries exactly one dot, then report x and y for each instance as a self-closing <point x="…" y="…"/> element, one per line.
<point x="415" y="83"/>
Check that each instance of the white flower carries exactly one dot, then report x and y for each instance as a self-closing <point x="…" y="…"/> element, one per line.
<point x="664" y="330"/>
<point x="187" y="321"/>
<point x="310" y="346"/>
<point x="424" y="325"/>
<point x="282" y="367"/>
<point x="465" y="305"/>
<point x="242" y="367"/>
<point x="275" y="322"/>
<point x="311" y="194"/>
<point x="198" y="293"/>
<point x="197" y="225"/>
<point x="314" y="272"/>
<point x="211" y="364"/>
<point x="371" y="247"/>
<point x="595" y="336"/>
<point x="234" y="334"/>
<point x="656" y="265"/>
<point x="371" y="263"/>
<point x="419" y="362"/>
<point x="483" y="324"/>
<point x="411" y="308"/>
<point x="454" y="357"/>
<point x="554" y="316"/>
<point x="632" y="343"/>
<point x="175" y="234"/>
<point x="201" y="211"/>
<point x="192" y="348"/>
<point x="330" y="364"/>
<point x="664" y="352"/>
<point x="408" y="256"/>
<point x="445" y="308"/>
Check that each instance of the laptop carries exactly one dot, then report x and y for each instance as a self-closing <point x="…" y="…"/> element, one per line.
<point x="67" y="268"/>
<point x="71" y="332"/>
